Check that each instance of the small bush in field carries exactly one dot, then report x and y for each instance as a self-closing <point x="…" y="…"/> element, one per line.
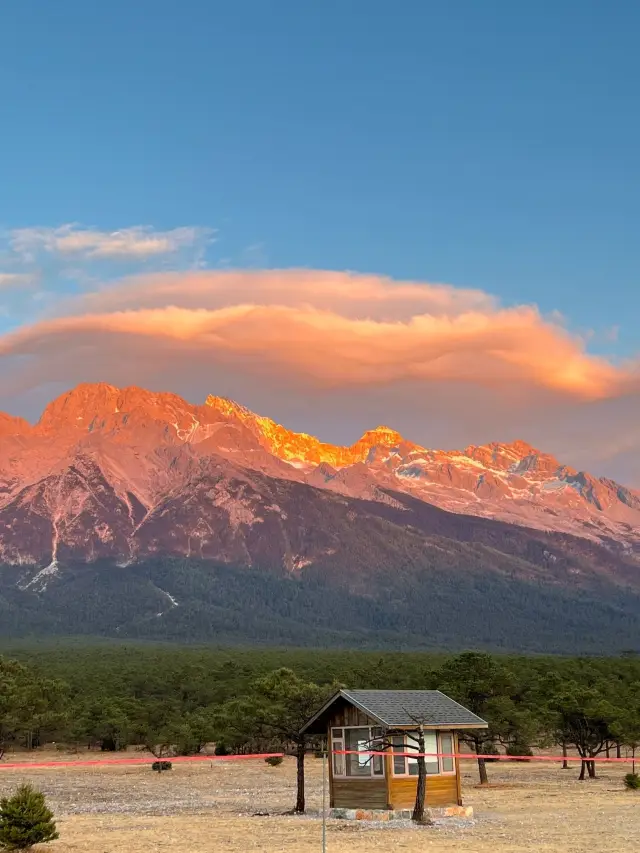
<point x="632" y="781"/>
<point x="490" y="749"/>
<point x="25" y="820"/>
<point x="160" y="766"/>
<point x="517" y="749"/>
<point x="220" y="749"/>
<point x="274" y="760"/>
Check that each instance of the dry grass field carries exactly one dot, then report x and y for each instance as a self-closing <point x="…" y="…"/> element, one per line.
<point x="205" y="807"/>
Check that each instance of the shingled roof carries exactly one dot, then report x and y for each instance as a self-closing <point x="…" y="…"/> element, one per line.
<point x="402" y="709"/>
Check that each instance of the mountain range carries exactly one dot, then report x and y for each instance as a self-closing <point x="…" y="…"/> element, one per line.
<point x="133" y="513"/>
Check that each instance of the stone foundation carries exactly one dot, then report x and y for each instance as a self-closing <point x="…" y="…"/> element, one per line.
<point x="399" y="814"/>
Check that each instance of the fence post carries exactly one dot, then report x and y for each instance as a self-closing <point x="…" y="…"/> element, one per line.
<point x="324" y="800"/>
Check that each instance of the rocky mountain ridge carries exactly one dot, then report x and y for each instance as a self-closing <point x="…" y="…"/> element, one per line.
<point x="144" y="448"/>
<point x="130" y="513"/>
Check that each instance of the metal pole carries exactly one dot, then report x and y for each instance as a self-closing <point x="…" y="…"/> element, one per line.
<point x="324" y="800"/>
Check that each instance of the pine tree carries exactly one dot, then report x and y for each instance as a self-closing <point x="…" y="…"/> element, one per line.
<point x="25" y="820"/>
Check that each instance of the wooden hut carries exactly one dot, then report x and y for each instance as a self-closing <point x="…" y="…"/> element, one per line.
<point x="388" y="720"/>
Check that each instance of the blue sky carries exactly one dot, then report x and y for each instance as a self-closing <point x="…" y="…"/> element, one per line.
<point x="489" y="145"/>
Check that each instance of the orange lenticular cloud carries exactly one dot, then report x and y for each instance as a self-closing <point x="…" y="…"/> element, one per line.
<point x="325" y="329"/>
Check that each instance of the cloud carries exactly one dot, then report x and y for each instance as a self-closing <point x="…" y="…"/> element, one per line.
<point x="325" y="348"/>
<point x="9" y="280"/>
<point x="136" y="243"/>
<point x="329" y="350"/>
<point x="331" y="329"/>
<point x="350" y="295"/>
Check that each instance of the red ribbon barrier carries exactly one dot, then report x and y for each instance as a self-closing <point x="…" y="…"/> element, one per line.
<point x="107" y="762"/>
<point x="552" y="758"/>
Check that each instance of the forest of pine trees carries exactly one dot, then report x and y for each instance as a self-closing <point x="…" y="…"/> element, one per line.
<point x="110" y="696"/>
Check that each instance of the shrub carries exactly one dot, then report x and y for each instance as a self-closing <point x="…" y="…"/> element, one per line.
<point x="519" y="748"/>
<point x="490" y="749"/>
<point x="632" y="781"/>
<point x="274" y="760"/>
<point x="220" y="749"/>
<point x="25" y="820"/>
<point x="161" y="765"/>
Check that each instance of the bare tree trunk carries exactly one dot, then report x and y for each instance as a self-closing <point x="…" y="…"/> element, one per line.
<point x="419" y="815"/>
<point x="591" y="767"/>
<point x="618" y="750"/>
<point x="421" y="790"/>
<point x="300" y="802"/>
<point x="583" y="770"/>
<point x="565" y="763"/>
<point x="608" y="751"/>
<point x="482" y="765"/>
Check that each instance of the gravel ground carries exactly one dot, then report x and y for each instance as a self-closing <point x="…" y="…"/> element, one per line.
<point x="139" y="791"/>
<point x="211" y="807"/>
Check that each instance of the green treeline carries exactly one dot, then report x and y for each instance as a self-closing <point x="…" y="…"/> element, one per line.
<point x="175" y="699"/>
<point x="449" y="596"/>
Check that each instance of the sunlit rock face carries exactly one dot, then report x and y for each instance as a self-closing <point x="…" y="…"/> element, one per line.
<point x="124" y="472"/>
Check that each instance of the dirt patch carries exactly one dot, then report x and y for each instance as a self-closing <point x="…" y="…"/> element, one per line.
<point x="211" y="807"/>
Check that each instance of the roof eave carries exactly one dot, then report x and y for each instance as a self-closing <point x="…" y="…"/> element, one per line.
<point x="344" y="694"/>
<point x="437" y="726"/>
<point x="319" y="713"/>
<point x="364" y="709"/>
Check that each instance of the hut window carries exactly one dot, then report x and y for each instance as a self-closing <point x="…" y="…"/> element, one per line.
<point x="361" y="740"/>
<point x="337" y="745"/>
<point x="430" y="746"/>
<point x="446" y="746"/>
<point x="358" y="764"/>
<point x="399" y="761"/>
<point x="406" y="765"/>
<point x="377" y="761"/>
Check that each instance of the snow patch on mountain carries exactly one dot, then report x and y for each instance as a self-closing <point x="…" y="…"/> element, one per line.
<point x="41" y="579"/>
<point x="103" y="466"/>
<point x="172" y="601"/>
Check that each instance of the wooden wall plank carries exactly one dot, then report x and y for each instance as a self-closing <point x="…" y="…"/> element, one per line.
<point x="359" y="794"/>
<point x="456" y="749"/>
<point x="441" y="791"/>
<point x="350" y="717"/>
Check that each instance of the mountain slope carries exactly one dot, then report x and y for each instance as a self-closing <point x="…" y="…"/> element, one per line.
<point x="155" y="437"/>
<point x="112" y="486"/>
<point x="204" y="601"/>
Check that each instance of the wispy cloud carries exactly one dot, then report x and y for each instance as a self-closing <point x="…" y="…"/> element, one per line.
<point x="9" y="280"/>
<point x="138" y="242"/>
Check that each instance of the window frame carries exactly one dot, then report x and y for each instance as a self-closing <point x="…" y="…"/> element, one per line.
<point x="407" y="758"/>
<point x="339" y="743"/>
